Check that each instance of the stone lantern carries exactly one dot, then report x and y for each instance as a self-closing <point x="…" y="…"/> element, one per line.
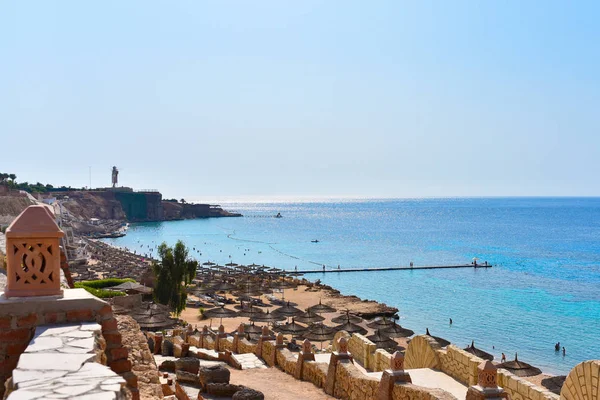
<point x="33" y="254"/>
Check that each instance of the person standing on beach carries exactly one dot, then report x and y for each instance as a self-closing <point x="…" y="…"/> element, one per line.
<point x="503" y="359"/>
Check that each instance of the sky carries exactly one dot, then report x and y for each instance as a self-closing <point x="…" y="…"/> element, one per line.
<point x="324" y="98"/>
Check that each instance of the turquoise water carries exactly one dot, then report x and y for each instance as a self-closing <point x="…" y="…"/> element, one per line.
<point x="544" y="288"/>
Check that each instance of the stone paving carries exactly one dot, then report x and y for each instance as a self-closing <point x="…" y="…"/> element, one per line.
<point x="249" y="361"/>
<point x="61" y="362"/>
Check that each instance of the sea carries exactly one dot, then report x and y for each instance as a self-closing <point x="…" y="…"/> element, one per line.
<point x="543" y="288"/>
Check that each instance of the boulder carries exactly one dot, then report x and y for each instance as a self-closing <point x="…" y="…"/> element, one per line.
<point x="222" y="389"/>
<point x="248" y="394"/>
<point x="213" y="374"/>
<point x="188" y="364"/>
<point x="167" y="365"/>
<point x="151" y="344"/>
<point x="187" y="377"/>
<point x="167" y="347"/>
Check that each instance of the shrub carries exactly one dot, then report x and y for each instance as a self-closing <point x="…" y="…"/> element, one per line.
<point x="104" y="283"/>
<point x="97" y="287"/>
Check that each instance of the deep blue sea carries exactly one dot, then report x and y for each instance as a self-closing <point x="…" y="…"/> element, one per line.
<point x="544" y="287"/>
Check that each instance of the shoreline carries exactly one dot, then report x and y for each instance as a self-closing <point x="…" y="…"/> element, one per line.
<point x="309" y="293"/>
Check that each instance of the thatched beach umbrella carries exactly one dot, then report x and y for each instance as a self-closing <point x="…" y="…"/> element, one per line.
<point x="321" y="308"/>
<point x="223" y="287"/>
<point x="220" y="312"/>
<point x="293" y="328"/>
<point x="382" y="341"/>
<point x="347" y="317"/>
<point x="309" y="317"/>
<point x="252" y="329"/>
<point x="396" y="331"/>
<point x="133" y="286"/>
<point x="350" y="328"/>
<point x="267" y="317"/>
<point x="381" y="323"/>
<point x="441" y="341"/>
<point x="287" y="310"/>
<point x="477" y="352"/>
<point x="520" y="368"/>
<point x="319" y="333"/>
<point x="250" y="311"/>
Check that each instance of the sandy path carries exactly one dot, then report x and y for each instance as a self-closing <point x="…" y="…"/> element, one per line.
<point x="277" y="385"/>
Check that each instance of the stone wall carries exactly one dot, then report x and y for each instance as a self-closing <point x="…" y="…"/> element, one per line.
<point x="286" y="361"/>
<point x="361" y="349"/>
<point x="583" y="382"/>
<point x="315" y="372"/>
<point x="18" y="320"/>
<point x="352" y="384"/>
<point x="66" y="360"/>
<point x="226" y="344"/>
<point x="381" y="360"/>
<point x="144" y="370"/>
<point x="459" y="364"/>
<point x="521" y="389"/>
<point x="244" y="346"/>
<point x="268" y="352"/>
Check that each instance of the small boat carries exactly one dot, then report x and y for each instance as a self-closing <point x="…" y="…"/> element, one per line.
<point x="315" y="241"/>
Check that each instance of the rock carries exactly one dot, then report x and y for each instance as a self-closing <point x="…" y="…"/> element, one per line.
<point x="167" y="347"/>
<point x="150" y="342"/>
<point x="187" y="377"/>
<point x="213" y="374"/>
<point x="188" y="364"/>
<point x="222" y="389"/>
<point x="167" y="365"/>
<point x="248" y="394"/>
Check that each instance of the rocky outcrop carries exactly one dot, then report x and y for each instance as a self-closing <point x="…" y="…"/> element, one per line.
<point x="176" y="211"/>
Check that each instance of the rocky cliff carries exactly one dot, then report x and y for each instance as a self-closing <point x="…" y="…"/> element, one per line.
<point x="174" y="211"/>
<point x="134" y="206"/>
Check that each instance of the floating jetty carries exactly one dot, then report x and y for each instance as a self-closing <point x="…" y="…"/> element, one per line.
<point x="334" y="270"/>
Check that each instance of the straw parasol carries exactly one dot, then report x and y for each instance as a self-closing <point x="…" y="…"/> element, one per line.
<point x="221" y="312"/>
<point x="477" y="352"/>
<point x="396" y="331"/>
<point x="309" y="317"/>
<point x="321" y="308"/>
<point x="441" y="341"/>
<point x="347" y="317"/>
<point x="382" y="341"/>
<point x="319" y="333"/>
<point x="287" y="310"/>
<point x="293" y="328"/>
<point x="134" y="286"/>
<point x="252" y="329"/>
<point x="267" y="317"/>
<point x="223" y="287"/>
<point x="250" y="311"/>
<point x="350" y="328"/>
<point x="380" y="323"/>
<point x="520" y="368"/>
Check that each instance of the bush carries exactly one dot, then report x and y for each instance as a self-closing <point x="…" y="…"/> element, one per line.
<point x="104" y="283"/>
<point x="97" y="287"/>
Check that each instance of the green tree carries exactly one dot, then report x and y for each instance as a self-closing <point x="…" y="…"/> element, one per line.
<point x="174" y="271"/>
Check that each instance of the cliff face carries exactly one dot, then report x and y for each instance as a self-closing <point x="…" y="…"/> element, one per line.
<point x="135" y="207"/>
<point x="86" y="205"/>
<point x="174" y="211"/>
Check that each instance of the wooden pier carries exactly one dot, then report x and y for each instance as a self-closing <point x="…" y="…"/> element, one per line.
<point x="414" y="268"/>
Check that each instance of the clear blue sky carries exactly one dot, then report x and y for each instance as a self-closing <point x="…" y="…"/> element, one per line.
<point x="324" y="98"/>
